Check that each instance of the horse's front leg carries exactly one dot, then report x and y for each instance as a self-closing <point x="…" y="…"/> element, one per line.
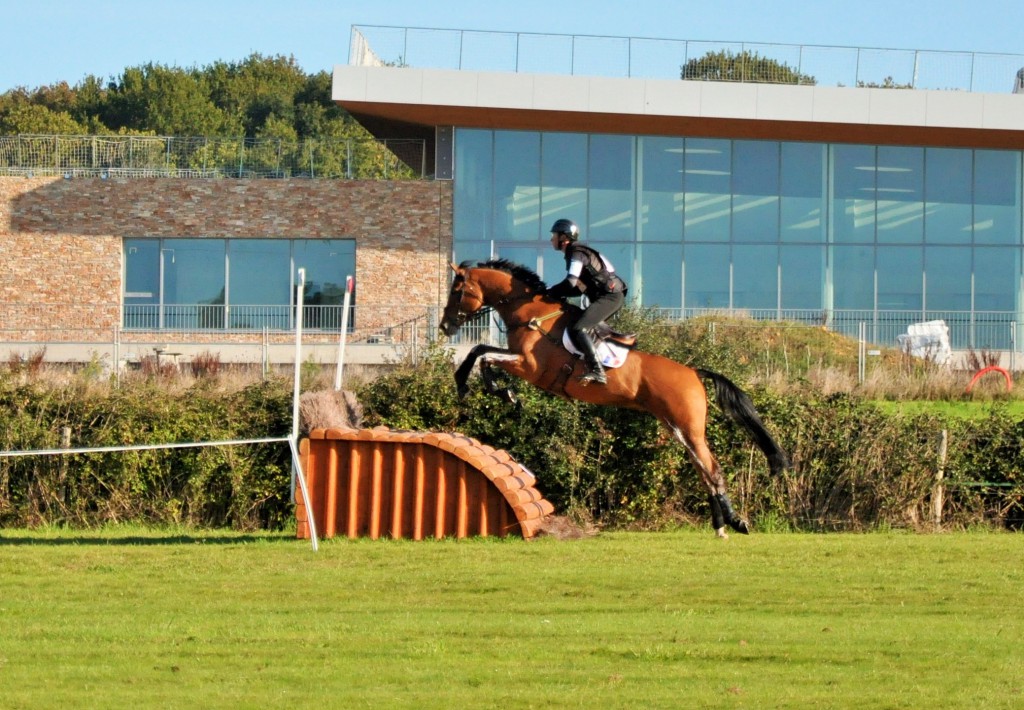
<point x="490" y="353"/>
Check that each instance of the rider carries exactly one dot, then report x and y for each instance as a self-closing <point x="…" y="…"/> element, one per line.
<point x="590" y="273"/>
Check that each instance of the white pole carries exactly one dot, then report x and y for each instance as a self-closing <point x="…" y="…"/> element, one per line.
<point x="344" y="332"/>
<point x="299" y="307"/>
<point x="297" y="474"/>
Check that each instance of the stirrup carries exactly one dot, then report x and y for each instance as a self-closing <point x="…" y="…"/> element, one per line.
<point x="597" y="376"/>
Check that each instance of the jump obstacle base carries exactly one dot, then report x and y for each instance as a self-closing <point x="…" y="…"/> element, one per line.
<point x="402" y="484"/>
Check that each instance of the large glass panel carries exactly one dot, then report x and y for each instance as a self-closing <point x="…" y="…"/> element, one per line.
<point x="563" y="179"/>
<point x="997" y="197"/>
<point x="517" y="186"/>
<point x="706" y="276"/>
<point x="755" y="186"/>
<point x="755" y="276"/>
<point x="473" y="184"/>
<point x="853" y="202"/>
<point x="193" y="283"/>
<point x="258" y="283"/>
<point x="661" y="189"/>
<point x="803" y="277"/>
<point x="141" y="283"/>
<point x="996" y="278"/>
<point x="900" y="282"/>
<point x="899" y="211"/>
<point x="803" y="189"/>
<point x="948" y="178"/>
<point x="327" y="262"/>
<point x="661" y="274"/>
<point x="947" y="278"/>
<point x="706" y="180"/>
<point x="612" y="197"/>
<point x="853" y="277"/>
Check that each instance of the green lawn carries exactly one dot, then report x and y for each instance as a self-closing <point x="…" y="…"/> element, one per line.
<point x="125" y="618"/>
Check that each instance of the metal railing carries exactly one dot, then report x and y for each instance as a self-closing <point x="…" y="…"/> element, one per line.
<point x="199" y="157"/>
<point x="649" y="58"/>
<point x="31" y="326"/>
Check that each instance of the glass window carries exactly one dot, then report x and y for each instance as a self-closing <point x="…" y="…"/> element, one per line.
<point x="610" y="178"/>
<point x="803" y="276"/>
<point x="257" y="280"/>
<point x="947" y="278"/>
<point x="802" y="181"/>
<point x="473" y="184"/>
<point x="563" y="175"/>
<point x="193" y="287"/>
<point x="996" y="274"/>
<point x="706" y="276"/>
<point x="997" y="197"/>
<point x="661" y="271"/>
<point x="899" y="210"/>
<point x="755" y="273"/>
<point x="661" y="189"/>
<point x="853" y="277"/>
<point x="706" y="180"/>
<point x="517" y="186"/>
<point x="948" y="179"/>
<point x="141" y="283"/>
<point x="900" y="282"/>
<point x="755" y="186"/>
<point x="853" y="203"/>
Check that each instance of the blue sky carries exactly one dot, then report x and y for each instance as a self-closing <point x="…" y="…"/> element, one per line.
<point x="47" y="41"/>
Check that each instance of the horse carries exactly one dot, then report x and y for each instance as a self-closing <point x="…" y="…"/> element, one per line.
<point x="671" y="392"/>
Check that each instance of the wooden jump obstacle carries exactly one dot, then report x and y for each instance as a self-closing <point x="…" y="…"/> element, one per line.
<point x="402" y="484"/>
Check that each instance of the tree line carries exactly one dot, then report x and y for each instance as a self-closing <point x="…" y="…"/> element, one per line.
<point x="257" y="97"/>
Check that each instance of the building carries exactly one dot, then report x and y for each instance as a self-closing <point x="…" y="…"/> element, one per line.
<point x="828" y="199"/>
<point x="844" y="205"/>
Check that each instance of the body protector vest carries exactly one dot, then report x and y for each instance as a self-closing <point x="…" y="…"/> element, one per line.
<point x="597" y="279"/>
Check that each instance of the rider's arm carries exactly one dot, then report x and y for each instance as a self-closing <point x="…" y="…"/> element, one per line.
<point x="571" y="285"/>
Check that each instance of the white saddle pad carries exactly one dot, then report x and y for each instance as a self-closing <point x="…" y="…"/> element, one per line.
<point x="612" y="354"/>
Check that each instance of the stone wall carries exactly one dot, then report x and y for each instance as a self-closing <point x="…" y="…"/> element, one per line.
<point x="60" y="240"/>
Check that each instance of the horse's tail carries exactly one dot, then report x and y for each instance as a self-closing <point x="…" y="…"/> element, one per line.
<point x="739" y="407"/>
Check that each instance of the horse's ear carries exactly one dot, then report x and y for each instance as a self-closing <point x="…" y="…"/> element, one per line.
<point x="454" y="267"/>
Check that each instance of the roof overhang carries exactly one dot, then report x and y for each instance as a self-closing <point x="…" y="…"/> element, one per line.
<point x="401" y="102"/>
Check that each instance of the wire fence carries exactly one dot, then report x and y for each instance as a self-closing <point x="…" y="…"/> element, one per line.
<point x="649" y="58"/>
<point x="211" y="157"/>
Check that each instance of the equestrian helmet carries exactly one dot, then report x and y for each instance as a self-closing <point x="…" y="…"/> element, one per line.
<point x="566" y="227"/>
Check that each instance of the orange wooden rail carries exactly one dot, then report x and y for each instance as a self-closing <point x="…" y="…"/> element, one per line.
<point x="402" y="484"/>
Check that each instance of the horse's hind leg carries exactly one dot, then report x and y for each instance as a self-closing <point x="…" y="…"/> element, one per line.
<point x="711" y="476"/>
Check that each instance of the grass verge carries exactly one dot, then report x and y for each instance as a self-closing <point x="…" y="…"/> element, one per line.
<point x="188" y="619"/>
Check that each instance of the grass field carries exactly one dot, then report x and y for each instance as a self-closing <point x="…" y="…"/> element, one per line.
<point x="142" y="618"/>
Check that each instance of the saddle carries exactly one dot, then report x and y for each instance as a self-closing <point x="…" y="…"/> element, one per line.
<point x="603" y="331"/>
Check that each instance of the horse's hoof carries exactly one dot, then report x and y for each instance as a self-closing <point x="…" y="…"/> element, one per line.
<point x="740" y="526"/>
<point x="510" y="396"/>
<point x="721" y="534"/>
<point x="462" y="392"/>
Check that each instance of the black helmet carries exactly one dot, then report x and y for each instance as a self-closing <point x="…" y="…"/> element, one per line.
<point x="566" y="227"/>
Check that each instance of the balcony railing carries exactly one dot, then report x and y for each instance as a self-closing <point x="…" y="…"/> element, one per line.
<point x="189" y="157"/>
<point x="648" y="58"/>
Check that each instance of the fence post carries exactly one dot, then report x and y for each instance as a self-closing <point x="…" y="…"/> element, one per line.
<point x="938" y="490"/>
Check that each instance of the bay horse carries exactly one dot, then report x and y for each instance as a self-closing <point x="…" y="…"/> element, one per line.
<point x="673" y="393"/>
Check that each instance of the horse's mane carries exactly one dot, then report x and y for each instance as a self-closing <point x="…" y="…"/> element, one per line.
<point x="519" y="272"/>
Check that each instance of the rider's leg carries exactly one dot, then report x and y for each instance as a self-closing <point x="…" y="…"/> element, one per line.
<point x="600" y="309"/>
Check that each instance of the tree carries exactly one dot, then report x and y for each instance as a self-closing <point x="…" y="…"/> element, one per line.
<point x="745" y="66"/>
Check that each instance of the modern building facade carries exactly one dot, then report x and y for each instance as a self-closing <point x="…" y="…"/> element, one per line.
<point x="825" y="204"/>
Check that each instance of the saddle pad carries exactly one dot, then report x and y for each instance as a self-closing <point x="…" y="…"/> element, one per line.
<point x="612" y="354"/>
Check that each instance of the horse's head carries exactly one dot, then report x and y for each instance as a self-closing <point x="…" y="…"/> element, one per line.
<point x="465" y="299"/>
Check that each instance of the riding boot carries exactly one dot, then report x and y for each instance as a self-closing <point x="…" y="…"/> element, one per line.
<point x="595" y="371"/>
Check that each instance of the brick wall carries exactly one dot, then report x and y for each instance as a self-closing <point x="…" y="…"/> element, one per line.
<point x="60" y="240"/>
